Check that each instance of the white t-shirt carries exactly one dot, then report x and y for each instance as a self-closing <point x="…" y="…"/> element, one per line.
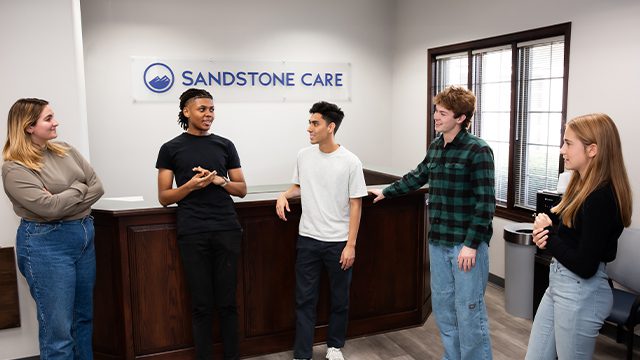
<point x="327" y="182"/>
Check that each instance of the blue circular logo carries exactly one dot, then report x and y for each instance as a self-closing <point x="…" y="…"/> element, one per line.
<point x="158" y="77"/>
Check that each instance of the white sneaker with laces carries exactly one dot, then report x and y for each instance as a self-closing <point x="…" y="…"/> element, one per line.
<point x="334" y="354"/>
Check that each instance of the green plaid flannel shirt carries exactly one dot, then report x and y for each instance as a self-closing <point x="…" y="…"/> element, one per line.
<point x="461" y="190"/>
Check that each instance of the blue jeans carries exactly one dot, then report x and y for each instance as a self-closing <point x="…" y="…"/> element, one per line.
<point x="314" y="255"/>
<point x="458" y="302"/>
<point x="570" y="315"/>
<point x="58" y="260"/>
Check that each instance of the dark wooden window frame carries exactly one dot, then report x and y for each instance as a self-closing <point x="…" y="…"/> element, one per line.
<point x="509" y="211"/>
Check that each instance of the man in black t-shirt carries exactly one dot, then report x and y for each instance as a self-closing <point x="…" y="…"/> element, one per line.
<point x="206" y="168"/>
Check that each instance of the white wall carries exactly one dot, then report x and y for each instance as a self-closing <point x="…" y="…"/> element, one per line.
<point x="385" y="40"/>
<point x="601" y="32"/>
<point x="41" y="57"/>
<point x="267" y="135"/>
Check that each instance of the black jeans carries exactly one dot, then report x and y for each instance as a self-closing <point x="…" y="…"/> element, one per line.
<point x="210" y="261"/>
<point x="314" y="255"/>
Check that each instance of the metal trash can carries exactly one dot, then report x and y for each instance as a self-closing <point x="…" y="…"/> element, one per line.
<point x="519" y="259"/>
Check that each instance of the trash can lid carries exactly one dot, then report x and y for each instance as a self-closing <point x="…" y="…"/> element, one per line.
<point x="519" y="233"/>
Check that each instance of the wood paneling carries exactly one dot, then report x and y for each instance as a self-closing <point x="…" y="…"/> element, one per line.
<point x="142" y="304"/>
<point x="9" y="305"/>
<point x="372" y="177"/>
<point x="159" y="298"/>
<point x="269" y="295"/>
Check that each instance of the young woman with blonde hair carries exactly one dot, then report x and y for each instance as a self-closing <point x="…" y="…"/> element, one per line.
<point x="595" y="208"/>
<point x="52" y="188"/>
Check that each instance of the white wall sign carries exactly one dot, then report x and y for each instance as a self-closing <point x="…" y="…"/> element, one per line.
<point x="163" y="80"/>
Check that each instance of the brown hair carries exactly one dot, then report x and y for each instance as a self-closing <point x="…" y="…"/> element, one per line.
<point x="459" y="100"/>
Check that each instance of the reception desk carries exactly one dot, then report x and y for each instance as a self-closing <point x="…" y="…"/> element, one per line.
<point x="142" y="305"/>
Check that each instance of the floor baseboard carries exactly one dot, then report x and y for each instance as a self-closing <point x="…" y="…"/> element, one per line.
<point x="496" y="280"/>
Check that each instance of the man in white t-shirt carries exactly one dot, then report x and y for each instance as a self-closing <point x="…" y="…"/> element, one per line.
<point x="330" y="182"/>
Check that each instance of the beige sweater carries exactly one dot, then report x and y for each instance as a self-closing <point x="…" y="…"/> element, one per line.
<point x="71" y="187"/>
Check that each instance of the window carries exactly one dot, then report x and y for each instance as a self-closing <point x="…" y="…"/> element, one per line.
<point x="520" y="83"/>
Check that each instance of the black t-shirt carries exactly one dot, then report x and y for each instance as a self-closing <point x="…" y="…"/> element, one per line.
<point x="211" y="208"/>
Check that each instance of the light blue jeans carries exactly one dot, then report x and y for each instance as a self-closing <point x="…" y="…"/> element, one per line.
<point x="458" y="302"/>
<point x="58" y="260"/>
<point x="570" y="315"/>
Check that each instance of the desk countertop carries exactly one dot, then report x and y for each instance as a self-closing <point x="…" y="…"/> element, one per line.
<point x="254" y="194"/>
<point x="257" y="193"/>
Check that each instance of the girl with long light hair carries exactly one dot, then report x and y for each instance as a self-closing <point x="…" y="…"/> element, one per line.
<point x="595" y="208"/>
<point x="52" y="188"/>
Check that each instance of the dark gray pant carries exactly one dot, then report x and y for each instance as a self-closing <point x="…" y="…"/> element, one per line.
<point x="210" y="261"/>
<point x="314" y="255"/>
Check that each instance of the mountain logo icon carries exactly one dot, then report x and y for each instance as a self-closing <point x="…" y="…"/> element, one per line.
<point x="158" y="77"/>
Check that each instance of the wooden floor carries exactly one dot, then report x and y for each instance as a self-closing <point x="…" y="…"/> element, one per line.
<point x="509" y="336"/>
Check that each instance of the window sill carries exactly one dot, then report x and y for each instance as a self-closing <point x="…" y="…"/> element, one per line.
<point x="517" y="215"/>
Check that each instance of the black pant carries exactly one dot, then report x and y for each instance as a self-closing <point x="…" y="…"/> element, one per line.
<point x="210" y="261"/>
<point x="314" y="255"/>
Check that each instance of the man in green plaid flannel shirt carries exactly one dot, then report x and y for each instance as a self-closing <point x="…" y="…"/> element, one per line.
<point x="459" y="169"/>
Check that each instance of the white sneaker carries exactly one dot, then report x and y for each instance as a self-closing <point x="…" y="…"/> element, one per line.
<point x="334" y="354"/>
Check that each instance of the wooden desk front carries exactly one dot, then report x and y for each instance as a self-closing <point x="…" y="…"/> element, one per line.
<point x="142" y="305"/>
